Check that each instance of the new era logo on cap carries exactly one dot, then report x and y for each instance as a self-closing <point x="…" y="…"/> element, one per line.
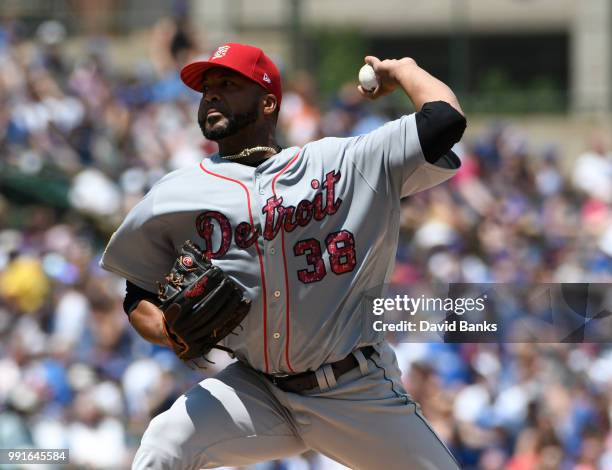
<point x="249" y="61"/>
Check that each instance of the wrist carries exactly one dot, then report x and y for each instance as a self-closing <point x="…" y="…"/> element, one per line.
<point x="404" y="68"/>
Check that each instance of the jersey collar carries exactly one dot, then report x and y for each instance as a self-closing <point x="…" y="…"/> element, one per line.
<point x="271" y="165"/>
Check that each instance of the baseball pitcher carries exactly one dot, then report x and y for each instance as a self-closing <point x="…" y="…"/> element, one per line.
<point x="265" y="252"/>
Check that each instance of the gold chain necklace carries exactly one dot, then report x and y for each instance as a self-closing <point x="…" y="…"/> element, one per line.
<point x="247" y="152"/>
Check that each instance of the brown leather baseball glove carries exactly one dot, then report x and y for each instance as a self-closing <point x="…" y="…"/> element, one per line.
<point x="201" y="305"/>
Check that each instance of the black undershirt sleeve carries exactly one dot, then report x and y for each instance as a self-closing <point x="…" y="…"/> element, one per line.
<point x="440" y="126"/>
<point x="134" y="294"/>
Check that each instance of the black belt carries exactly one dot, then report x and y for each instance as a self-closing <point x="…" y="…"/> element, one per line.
<point x="308" y="380"/>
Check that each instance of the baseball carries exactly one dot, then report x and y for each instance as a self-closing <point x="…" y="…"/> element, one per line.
<point x="367" y="78"/>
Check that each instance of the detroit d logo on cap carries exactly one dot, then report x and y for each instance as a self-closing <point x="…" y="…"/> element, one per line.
<point x="220" y="52"/>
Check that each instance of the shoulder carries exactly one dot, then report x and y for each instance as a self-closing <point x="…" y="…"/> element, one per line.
<point x="166" y="194"/>
<point x="172" y="179"/>
<point x="173" y="190"/>
<point x="333" y="144"/>
<point x="324" y="144"/>
<point x="382" y="127"/>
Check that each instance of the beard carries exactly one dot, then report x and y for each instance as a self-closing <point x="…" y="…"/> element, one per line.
<point x="235" y="122"/>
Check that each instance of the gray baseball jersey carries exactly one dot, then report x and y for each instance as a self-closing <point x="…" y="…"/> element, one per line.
<point x="305" y="233"/>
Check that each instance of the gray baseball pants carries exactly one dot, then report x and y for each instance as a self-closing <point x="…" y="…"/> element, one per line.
<point x="364" y="421"/>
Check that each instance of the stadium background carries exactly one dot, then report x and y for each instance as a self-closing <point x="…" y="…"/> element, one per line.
<point x="92" y="112"/>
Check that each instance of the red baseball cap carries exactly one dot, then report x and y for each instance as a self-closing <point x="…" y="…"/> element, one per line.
<point x="249" y="61"/>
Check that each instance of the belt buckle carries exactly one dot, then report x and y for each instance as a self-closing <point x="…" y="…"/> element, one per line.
<point x="279" y="376"/>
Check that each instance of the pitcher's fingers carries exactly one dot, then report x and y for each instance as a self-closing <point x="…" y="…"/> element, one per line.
<point x="372" y="60"/>
<point x="366" y="94"/>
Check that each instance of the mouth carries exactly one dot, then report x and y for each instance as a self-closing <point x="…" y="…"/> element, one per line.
<point x="213" y="112"/>
<point x="213" y="117"/>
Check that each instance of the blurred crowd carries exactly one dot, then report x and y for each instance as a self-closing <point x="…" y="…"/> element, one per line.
<point x="82" y="142"/>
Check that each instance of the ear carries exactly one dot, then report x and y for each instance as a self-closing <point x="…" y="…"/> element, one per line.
<point x="269" y="104"/>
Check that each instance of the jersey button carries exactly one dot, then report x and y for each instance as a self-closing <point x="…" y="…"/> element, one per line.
<point x="272" y="251"/>
<point x="276" y="335"/>
<point x="277" y="293"/>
